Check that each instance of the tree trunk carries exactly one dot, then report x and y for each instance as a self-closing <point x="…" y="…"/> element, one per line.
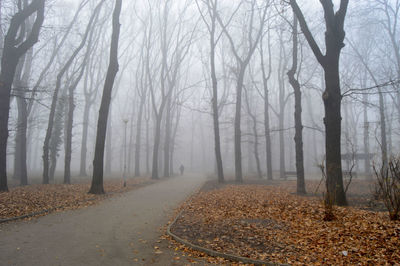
<point x="332" y="101"/>
<point x="131" y="145"/>
<point x="20" y="86"/>
<point x="138" y="136"/>
<point x="268" y="151"/>
<point x="109" y="150"/>
<point x="334" y="37"/>
<point x="56" y="92"/>
<point x="215" y="112"/>
<point x="254" y="128"/>
<point x="147" y="147"/>
<point x="383" y="129"/>
<point x="68" y="137"/>
<point x="20" y="171"/>
<point x="157" y="136"/>
<point x="367" y="163"/>
<point x="12" y="52"/>
<point x="167" y="138"/>
<point x="98" y="162"/>
<point x="265" y="78"/>
<point x="298" y="137"/>
<point x="238" y="136"/>
<point x="281" y="117"/>
<point x="85" y="129"/>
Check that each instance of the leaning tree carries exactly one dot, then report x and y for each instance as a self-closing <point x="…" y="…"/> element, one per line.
<point x="98" y="162"/>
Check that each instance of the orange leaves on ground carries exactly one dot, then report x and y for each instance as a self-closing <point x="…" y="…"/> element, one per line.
<point x="271" y="224"/>
<point x="36" y="198"/>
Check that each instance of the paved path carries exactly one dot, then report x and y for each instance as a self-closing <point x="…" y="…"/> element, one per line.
<point x="122" y="230"/>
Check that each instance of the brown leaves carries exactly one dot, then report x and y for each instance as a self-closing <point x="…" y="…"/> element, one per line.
<point x="269" y="223"/>
<point x="36" y="198"/>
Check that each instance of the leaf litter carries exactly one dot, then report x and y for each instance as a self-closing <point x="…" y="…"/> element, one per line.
<point x="271" y="223"/>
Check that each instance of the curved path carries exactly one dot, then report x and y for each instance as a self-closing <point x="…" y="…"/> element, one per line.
<point x="123" y="230"/>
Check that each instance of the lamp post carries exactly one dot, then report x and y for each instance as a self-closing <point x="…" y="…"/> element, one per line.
<point x="126" y="125"/>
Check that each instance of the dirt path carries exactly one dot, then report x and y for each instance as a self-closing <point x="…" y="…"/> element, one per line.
<point x="119" y="231"/>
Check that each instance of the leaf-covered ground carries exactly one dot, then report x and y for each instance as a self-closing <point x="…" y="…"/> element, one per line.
<point x="273" y="224"/>
<point x="30" y="199"/>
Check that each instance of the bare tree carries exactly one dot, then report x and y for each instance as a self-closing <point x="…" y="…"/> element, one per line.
<point x="15" y="46"/>
<point x="60" y="76"/>
<point x="298" y="137"/>
<point x="71" y="107"/>
<point x="212" y="27"/>
<point x="242" y="59"/>
<point x="254" y="129"/>
<point x="98" y="162"/>
<point x="334" y="37"/>
<point x="173" y="53"/>
<point x="383" y="144"/>
<point x="265" y="95"/>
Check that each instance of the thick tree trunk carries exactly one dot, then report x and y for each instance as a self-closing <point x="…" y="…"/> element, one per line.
<point x="109" y="151"/>
<point x="12" y="52"/>
<point x="20" y="171"/>
<point x="8" y="70"/>
<point x="332" y="102"/>
<point x="98" y="162"/>
<point x="334" y="37"/>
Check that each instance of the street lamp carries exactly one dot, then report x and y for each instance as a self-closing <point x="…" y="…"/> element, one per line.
<point x="126" y="125"/>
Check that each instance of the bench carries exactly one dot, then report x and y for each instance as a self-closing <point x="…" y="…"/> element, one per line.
<point x="290" y="173"/>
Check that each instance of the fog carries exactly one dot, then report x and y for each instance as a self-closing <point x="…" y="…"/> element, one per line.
<point x="162" y="95"/>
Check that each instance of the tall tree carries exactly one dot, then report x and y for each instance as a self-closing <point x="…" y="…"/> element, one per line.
<point x="212" y="27"/>
<point x="14" y="48"/>
<point x="265" y="95"/>
<point x="60" y="76"/>
<point x="98" y="162"/>
<point x="298" y="137"/>
<point x="253" y="36"/>
<point x="254" y="129"/>
<point x="21" y="86"/>
<point x="334" y="37"/>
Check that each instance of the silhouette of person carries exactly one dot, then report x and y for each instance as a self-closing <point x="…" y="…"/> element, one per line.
<point x="182" y="168"/>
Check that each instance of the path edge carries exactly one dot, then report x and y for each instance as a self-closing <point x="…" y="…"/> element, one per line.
<point x="214" y="253"/>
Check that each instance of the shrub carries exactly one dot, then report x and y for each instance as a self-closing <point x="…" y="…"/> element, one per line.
<point x="388" y="186"/>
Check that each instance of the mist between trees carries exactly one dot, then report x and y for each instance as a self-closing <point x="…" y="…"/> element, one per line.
<point x="236" y="88"/>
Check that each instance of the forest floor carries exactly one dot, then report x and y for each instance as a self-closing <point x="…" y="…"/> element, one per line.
<point x="267" y="221"/>
<point x="38" y="199"/>
<point x="123" y="230"/>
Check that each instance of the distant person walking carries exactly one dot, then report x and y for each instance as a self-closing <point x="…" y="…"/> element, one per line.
<point x="182" y="168"/>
